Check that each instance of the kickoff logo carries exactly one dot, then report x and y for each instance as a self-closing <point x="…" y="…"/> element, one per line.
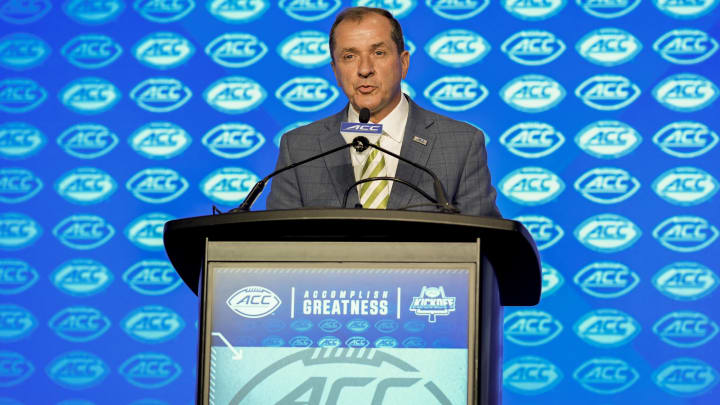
<point x="608" y="47"/>
<point x="455" y="93"/>
<point x="20" y="95"/>
<point x="552" y="280"/>
<point x="253" y="302"/>
<point x="18" y="368"/>
<point x="685" y="139"/>
<point x="236" y="50"/>
<point x="160" y="140"/>
<point x="608" y="139"/>
<point x="234" y="95"/>
<point x="530" y="375"/>
<point x="89" y="95"/>
<point x="157" y="185"/>
<point x="607" y="92"/>
<point x="305" y="49"/>
<point x="532" y="139"/>
<point x="533" y="47"/>
<point x="686" y="377"/>
<point x="146" y="231"/>
<point x="91" y="51"/>
<point x="91" y="12"/>
<point x="17" y="231"/>
<point x="164" y="11"/>
<point x="607" y="185"/>
<point x="531" y="327"/>
<point x="532" y="93"/>
<point x="160" y="94"/>
<point x="21" y="51"/>
<point x="606" y="280"/>
<point x="82" y="277"/>
<point x="685" y="329"/>
<point x="607" y="328"/>
<point x="152" y="324"/>
<point x="685" y="186"/>
<point x="607" y="233"/>
<point x="532" y="10"/>
<point x="686" y="92"/>
<point x="457" y="9"/>
<point x="685" y="46"/>
<point x="531" y="186"/>
<point x="609" y="8"/>
<point x="228" y="185"/>
<point x="683" y="10"/>
<point x="150" y="370"/>
<point x="685" y="281"/>
<point x="85" y="185"/>
<point x="87" y="141"/>
<point x="19" y="140"/>
<point x="233" y="140"/>
<point x="83" y="232"/>
<point x="457" y="48"/>
<point x="307" y="93"/>
<point x="79" y="324"/>
<point x="545" y="231"/>
<point x="606" y="375"/>
<point x="77" y="370"/>
<point x="24" y="12"/>
<point x="684" y="233"/>
<point x="309" y="10"/>
<point x="152" y="277"/>
<point x="16" y="276"/>
<point x="163" y="50"/>
<point x="18" y="185"/>
<point x="16" y="323"/>
<point x="237" y="11"/>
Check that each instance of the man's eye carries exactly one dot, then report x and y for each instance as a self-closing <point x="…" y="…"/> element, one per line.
<point x="348" y="57"/>
<point x="379" y="53"/>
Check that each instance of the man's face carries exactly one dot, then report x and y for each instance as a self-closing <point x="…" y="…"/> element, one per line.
<point x="367" y="64"/>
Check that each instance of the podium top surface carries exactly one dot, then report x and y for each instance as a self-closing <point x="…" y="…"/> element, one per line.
<point x="506" y="243"/>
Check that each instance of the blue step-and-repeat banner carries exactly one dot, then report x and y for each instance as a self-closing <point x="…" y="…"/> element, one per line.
<point x="601" y="123"/>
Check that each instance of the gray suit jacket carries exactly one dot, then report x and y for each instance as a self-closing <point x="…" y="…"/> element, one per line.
<point x="455" y="151"/>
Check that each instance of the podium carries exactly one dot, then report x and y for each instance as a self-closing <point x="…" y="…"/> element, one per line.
<point x="352" y="306"/>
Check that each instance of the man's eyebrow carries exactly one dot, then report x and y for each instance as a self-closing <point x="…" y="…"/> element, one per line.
<point x="373" y="46"/>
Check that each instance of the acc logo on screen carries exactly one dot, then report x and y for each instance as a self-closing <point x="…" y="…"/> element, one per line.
<point x="253" y="302"/>
<point x="307" y="93"/>
<point x="683" y="10"/>
<point x="533" y="10"/>
<point x="357" y="325"/>
<point x="607" y="185"/>
<point x="457" y="48"/>
<point x="237" y="11"/>
<point x="160" y="140"/>
<point x="300" y="341"/>
<point x="146" y="231"/>
<point x="385" y="342"/>
<point x="532" y="93"/>
<point x="83" y="232"/>
<point x="685" y="329"/>
<point x="157" y="185"/>
<point x="386" y="326"/>
<point x="684" y="233"/>
<point x="82" y="277"/>
<point x="77" y="370"/>
<point x="606" y="375"/>
<point x="685" y="281"/>
<point x="412" y="342"/>
<point x="530" y="375"/>
<point x="607" y="92"/>
<point x="685" y="46"/>
<point x="163" y="50"/>
<point x="606" y="279"/>
<point x="18" y="185"/>
<point x="85" y="185"/>
<point x="608" y="46"/>
<point x="531" y="327"/>
<point x="152" y="277"/>
<point x="93" y="12"/>
<point x="607" y="233"/>
<point x="607" y="328"/>
<point x="608" y="139"/>
<point x="16" y="323"/>
<point x="150" y="370"/>
<point x="686" y="92"/>
<point x="17" y="367"/>
<point x="89" y="95"/>
<point x="329" y="341"/>
<point x="398" y="8"/>
<point x="87" y="141"/>
<point x="20" y="51"/>
<point x="329" y="325"/>
<point x="235" y="50"/>
<point x="608" y="9"/>
<point x="16" y="276"/>
<point x="685" y="186"/>
<point x="686" y="377"/>
<point x="228" y="185"/>
<point x="18" y="231"/>
<point x="456" y="93"/>
<point x="152" y="324"/>
<point x="301" y="325"/>
<point x="19" y="140"/>
<point x="552" y="280"/>
<point x="305" y="49"/>
<point x="234" y="94"/>
<point x="164" y="11"/>
<point x="79" y="324"/>
<point x="91" y="51"/>
<point x="531" y="186"/>
<point x="685" y="139"/>
<point x="20" y="95"/>
<point x="24" y="12"/>
<point x="544" y="230"/>
<point x="532" y="139"/>
<point x="312" y="10"/>
<point x="161" y="94"/>
<point x="233" y="140"/>
<point x="533" y="47"/>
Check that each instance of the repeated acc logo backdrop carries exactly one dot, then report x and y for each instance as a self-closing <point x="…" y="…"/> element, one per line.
<point x="601" y="121"/>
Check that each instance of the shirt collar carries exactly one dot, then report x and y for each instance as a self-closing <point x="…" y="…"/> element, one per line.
<point x="393" y="124"/>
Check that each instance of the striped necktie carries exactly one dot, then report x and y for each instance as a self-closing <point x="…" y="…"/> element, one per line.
<point x="374" y="194"/>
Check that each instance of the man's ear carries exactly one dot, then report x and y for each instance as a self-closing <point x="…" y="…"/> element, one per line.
<point x="405" y="62"/>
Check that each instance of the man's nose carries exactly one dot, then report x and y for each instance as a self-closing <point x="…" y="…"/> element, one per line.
<point x="365" y="68"/>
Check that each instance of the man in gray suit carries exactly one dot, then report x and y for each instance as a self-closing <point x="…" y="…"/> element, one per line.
<point x="369" y="62"/>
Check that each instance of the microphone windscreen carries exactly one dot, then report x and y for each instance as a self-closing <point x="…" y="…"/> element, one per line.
<point x="364" y="115"/>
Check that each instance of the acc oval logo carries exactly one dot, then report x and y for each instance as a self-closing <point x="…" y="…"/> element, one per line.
<point x="164" y="12"/>
<point x="234" y="95"/>
<point x="89" y="95"/>
<point x="532" y="93"/>
<point x="83" y="232"/>
<point x="304" y="10"/>
<point x="682" y="10"/>
<point x="301" y="325"/>
<point x="18" y="185"/>
<point x="457" y="48"/>
<point x="19" y="140"/>
<point x="152" y="277"/>
<point x="20" y="51"/>
<point x="686" y="92"/>
<point x="161" y="94"/>
<point x="18" y="368"/>
<point x="530" y="375"/>
<point x="16" y="276"/>
<point x="683" y="233"/>
<point x="160" y="140"/>
<point x="685" y="281"/>
<point x="685" y="186"/>
<point x="228" y="185"/>
<point x="357" y="342"/>
<point x="606" y="279"/>
<point x="607" y="328"/>
<point x="82" y="277"/>
<point x="457" y="9"/>
<point x="685" y="139"/>
<point x="91" y="51"/>
<point x="150" y="370"/>
<point x="329" y="325"/>
<point x="85" y="185"/>
<point x="16" y="323"/>
<point x="398" y="8"/>
<point x="157" y="185"/>
<point x="163" y="50"/>
<point x="607" y="185"/>
<point x="235" y="50"/>
<point x="531" y="186"/>
<point x="531" y="327"/>
<point x="273" y="341"/>
<point x="685" y="46"/>
<point x="300" y="341"/>
<point x="532" y="139"/>
<point x="307" y="93"/>
<point x="386" y="326"/>
<point x="607" y="92"/>
<point x="414" y="326"/>
<point x="609" y="8"/>
<point x="685" y="329"/>
<point x="608" y="46"/>
<point x="532" y="10"/>
<point x="77" y="370"/>
<point x="233" y="140"/>
<point x="686" y="377"/>
<point x="552" y="280"/>
<point x="253" y="302"/>
<point x="20" y="95"/>
<point x="608" y="139"/>
<point x="305" y="49"/>
<point x="87" y="141"/>
<point x="152" y="324"/>
<point x="93" y="13"/>
<point x="456" y="93"/>
<point x="533" y="47"/>
<point x="357" y="325"/>
<point x="237" y="11"/>
<point x="18" y="231"/>
<point x="606" y="375"/>
<point x="146" y="231"/>
<point x="414" y="342"/>
<point x="544" y="230"/>
<point x="607" y="233"/>
<point x="386" y="342"/>
<point x="79" y="324"/>
<point x="22" y="12"/>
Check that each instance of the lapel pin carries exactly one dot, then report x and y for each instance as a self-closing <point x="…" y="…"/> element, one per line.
<point x="419" y="140"/>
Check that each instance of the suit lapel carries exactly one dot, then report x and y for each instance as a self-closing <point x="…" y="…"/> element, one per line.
<point x="338" y="164"/>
